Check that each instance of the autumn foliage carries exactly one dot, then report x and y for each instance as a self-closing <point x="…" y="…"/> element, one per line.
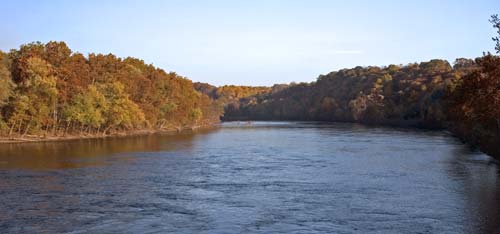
<point x="464" y="98"/>
<point x="48" y="89"/>
<point x="475" y="104"/>
<point x="410" y="95"/>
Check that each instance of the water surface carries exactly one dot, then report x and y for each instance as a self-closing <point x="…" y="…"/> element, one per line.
<point x="263" y="177"/>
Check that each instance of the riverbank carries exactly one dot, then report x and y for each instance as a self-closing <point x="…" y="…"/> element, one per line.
<point x="486" y="140"/>
<point x="69" y="137"/>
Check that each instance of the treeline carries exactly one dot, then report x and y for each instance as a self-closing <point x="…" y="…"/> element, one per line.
<point x="464" y="98"/>
<point x="475" y="103"/>
<point x="410" y="95"/>
<point x="229" y="95"/>
<point x="46" y="89"/>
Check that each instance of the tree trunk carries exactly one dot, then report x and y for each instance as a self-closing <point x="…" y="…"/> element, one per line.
<point x="26" y="130"/>
<point x="106" y="130"/>
<point x="20" y="126"/>
<point x="66" y="129"/>
<point x="56" y="122"/>
<point x="12" y="128"/>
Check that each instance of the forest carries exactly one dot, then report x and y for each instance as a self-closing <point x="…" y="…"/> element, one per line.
<point x="464" y="98"/>
<point x="410" y="95"/>
<point x="48" y="90"/>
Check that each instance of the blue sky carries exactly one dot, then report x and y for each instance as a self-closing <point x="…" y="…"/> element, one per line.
<point x="257" y="42"/>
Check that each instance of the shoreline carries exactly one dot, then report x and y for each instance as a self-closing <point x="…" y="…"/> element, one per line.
<point x="143" y="132"/>
<point x="488" y="149"/>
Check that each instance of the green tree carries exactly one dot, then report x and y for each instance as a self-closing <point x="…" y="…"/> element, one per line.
<point x="37" y="96"/>
<point x="6" y="87"/>
<point x="87" y="109"/>
<point x="196" y="114"/>
<point x="6" y="84"/>
<point x="122" y="112"/>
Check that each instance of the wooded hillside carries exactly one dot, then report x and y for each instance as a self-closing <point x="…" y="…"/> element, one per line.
<point x="46" y="89"/>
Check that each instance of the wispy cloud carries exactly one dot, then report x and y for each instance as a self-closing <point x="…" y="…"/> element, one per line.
<point x="346" y="52"/>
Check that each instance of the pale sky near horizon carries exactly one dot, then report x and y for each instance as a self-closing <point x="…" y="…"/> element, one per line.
<point x="257" y="42"/>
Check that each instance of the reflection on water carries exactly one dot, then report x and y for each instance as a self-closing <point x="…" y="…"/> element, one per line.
<point x="264" y="177"/>
<point x="88" y="152"/>
<point x="479" y="177"/>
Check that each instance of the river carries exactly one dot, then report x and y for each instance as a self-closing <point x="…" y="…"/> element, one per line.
<point x="258" y="177"/>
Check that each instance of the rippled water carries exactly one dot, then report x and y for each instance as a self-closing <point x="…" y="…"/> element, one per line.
<point x="263" y="177"/>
